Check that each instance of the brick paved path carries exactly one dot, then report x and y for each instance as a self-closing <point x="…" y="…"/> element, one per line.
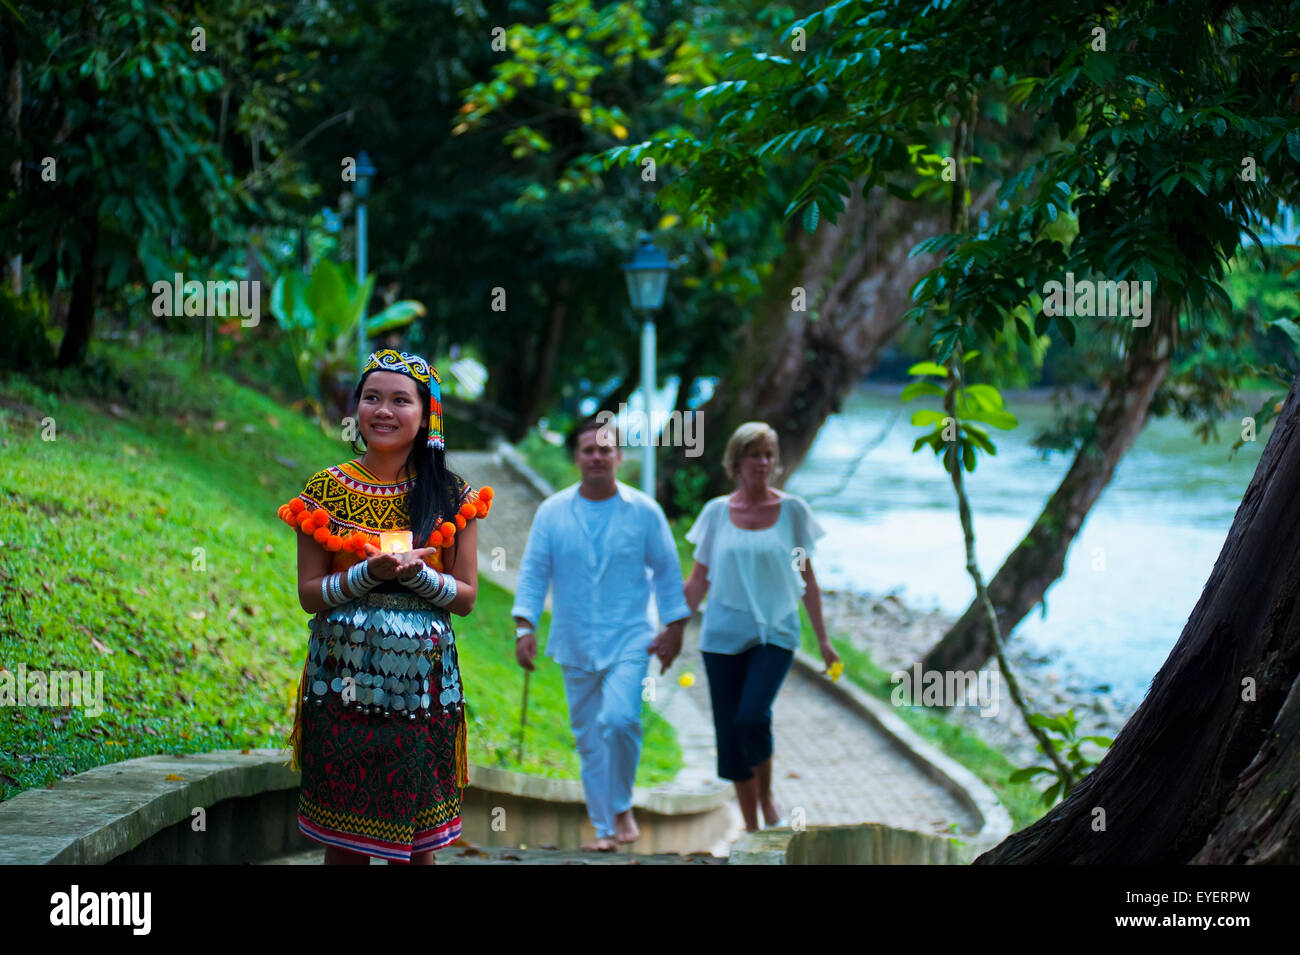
<point x="828" y="761"/>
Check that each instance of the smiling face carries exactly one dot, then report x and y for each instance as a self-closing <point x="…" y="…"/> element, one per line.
<point x="389" y="412"/>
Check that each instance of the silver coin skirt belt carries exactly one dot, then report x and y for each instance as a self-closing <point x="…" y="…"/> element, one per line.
<point x="391" y="655"/>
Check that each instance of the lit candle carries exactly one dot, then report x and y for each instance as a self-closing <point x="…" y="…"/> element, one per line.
<point x="395" y="542"/>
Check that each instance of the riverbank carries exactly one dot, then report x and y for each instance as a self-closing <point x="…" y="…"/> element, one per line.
<point x="895" y="636"/>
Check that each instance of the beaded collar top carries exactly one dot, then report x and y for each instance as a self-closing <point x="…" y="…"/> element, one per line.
<point x="356" y="500"/>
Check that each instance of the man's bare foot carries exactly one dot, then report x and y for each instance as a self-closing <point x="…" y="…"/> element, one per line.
<point x="625" y="829"/>
<point x="602" y="844"/>
<point x="771" y="814"/>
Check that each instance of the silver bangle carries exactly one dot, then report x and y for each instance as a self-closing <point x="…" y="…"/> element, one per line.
<point x="440" y="591"/>
<point x="446" y="592"/>
<point x="330" y="590"/>
<point x="451" y="590"/>
<point x="358" y="580"/>
<point x="437" y="588"/>
<point x="422" y="583"/>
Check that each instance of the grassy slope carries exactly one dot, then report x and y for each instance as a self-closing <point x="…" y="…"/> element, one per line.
<point x="1022" y="800"/>
<point x="98" y="536"/>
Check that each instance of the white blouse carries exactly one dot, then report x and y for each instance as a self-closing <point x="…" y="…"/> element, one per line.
<point x="755" y="576"/>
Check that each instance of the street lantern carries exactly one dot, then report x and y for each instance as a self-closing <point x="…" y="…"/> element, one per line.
<point x="647" y="279"/>
<point x="365" y="171"/>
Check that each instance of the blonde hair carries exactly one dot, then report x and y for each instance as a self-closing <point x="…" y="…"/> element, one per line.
<point x="743" y="440"/>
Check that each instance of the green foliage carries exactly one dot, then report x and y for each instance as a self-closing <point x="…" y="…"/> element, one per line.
<point x="963" y="431"/>
<point x="1072" y="428"/>
<point x="1063" y="730"/>
<point x="578" y="78"/>
<point x="131" y="92"/>
<point x="136" y="141"/>
<point x="690" y="489"/>
<point x="1139" y="153"/>
<point x="25" y="320"/>
<point x="1267" y="294"/>
<point x="126" y="89"/>
<point x="549" y="460"/>
<point x="320" y="316"/>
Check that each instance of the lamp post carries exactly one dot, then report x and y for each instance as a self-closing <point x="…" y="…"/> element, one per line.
<point x="647" y="278"/>
<point x="361" y="190"/>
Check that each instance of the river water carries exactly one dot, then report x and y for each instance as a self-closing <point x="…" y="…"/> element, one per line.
<point x="1132" y="577"/>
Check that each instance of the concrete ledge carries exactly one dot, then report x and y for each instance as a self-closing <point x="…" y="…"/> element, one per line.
<point x="106" y="812"/>
<point x="965" y="786"/>
<point x="515" y="462"/>
<point x="512" y="809"/>
<point x="868" y="844"/>
<point x="130" y="812"/>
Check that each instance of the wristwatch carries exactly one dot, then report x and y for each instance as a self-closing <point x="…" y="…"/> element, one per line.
<point x="521" y="632"/>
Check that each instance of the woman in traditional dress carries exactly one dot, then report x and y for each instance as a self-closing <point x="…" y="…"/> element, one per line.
<point x="387" y="550"/>
<point x="753" y="555"/>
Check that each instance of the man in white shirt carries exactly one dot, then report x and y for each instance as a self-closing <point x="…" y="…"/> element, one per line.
<point x="599" y="542"/>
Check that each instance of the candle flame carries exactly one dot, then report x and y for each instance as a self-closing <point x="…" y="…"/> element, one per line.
<point x="395" y="542"/>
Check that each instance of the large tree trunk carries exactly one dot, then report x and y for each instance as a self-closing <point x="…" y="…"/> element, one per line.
<point x="793" y="369"/>
<point x="81" y="311"/>
<point x="1206" y="770"/>
<point x="1039" y="560"/>
<point x="15" y="96"/>
<point x="540" y="386"/>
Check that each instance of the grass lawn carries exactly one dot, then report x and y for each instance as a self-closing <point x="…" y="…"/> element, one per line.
<point x="139" y="539"/>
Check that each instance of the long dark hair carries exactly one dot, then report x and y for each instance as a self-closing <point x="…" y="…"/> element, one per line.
<point x="432" y="498"/>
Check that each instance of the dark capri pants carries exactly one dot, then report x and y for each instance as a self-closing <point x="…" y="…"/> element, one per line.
<point x="742" y="687"/>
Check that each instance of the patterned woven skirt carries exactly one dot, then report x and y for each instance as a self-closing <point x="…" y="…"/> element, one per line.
<point x="381" y="732"/>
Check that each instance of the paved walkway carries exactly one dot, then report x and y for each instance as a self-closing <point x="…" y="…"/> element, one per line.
<point x="496" y="856"/>
<point x="828" y="762"/>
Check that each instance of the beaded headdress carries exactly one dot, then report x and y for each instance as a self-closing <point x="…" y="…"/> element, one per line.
<point x="413" y="366"/>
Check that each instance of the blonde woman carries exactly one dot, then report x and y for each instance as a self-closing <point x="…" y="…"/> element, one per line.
<point x="753" y="548"/>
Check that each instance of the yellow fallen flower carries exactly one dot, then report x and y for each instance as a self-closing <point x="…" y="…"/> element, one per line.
<point x="687" y="679"/>
<point x="835" y="670"/>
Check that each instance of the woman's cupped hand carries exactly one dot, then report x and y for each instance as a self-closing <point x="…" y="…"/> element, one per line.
<point x="396" y="566"/>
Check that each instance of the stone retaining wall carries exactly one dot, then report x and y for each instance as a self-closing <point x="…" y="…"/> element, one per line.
<point x="235" y="807"/>
<point x="867" y="844"/>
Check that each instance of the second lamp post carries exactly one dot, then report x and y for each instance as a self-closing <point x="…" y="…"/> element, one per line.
<point x="647" y="278"/>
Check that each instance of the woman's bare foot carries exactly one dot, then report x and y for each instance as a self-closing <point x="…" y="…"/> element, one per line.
<point x="602" y="844"/>
<point x="625" y="829"/>
<point x="771" y="814"/>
